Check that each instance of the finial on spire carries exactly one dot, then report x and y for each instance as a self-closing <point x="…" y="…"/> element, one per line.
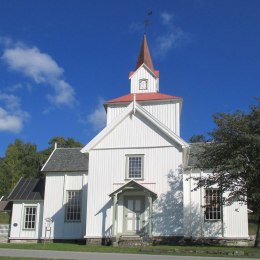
<point x="146" y="21"/>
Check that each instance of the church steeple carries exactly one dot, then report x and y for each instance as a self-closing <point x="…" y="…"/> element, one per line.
<point x="144" y="79"/>
<point x="144" y="55"/>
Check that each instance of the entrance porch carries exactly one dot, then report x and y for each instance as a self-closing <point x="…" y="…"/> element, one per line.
<point x="132" y="211"/>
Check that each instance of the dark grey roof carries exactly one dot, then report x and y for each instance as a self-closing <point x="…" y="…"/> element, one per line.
<point x="5" y="205"/>
<point x="66" y="159"/>
<point x="28" y="189"/>
<point x="195" y="149"/>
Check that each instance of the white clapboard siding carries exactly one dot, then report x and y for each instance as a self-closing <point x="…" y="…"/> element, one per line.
<point x="135" y="131"/>
<point x="113" y="111"/>
<point x="17" y="221"/>
<point x="144" y="73"/>
<point x="167" y="112"/>
<point x="234" y="223"/>
<point x="56" y="187"/>
<point x="158" y="164"/>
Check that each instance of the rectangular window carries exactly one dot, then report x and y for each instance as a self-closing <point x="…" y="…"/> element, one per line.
<point x="135" y="166"/>
<point x="30" y="217"/>
<point x="212" y="204"/>
<point x="73" y="206"/>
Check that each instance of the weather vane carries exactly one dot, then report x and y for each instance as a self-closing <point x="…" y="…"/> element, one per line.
<point x="146" y="21"/>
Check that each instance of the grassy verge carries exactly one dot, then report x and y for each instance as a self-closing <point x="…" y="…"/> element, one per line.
<point x="22" y="258"/>
<point x="4" y="218"/>
<point x="165" y="250"/>
<point x="252" y="224"/>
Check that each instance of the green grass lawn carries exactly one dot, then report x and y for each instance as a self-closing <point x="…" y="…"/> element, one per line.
<point x="167" y="250"/>
<point x="19" y="258"/>
<point x="4" y="218"/>
<point x="252" y="224"/>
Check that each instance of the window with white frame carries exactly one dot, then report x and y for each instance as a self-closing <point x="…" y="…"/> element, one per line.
<point x="29" y="217"/>
<point x="212" y="204"/>
<point x="73" y="206"/>
<point x="134" y="166"/>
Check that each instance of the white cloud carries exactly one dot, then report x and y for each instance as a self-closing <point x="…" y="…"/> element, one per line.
<point x="42" y="69"/>
<point x="64" y="93"/>
<point x="19" y="86"/>
<point x="166" y="17"/>
<point x="172" y="37"/>
<point x="170" y="40"/>
<point x="12" y="117"/>
<point x="98" y="117"/>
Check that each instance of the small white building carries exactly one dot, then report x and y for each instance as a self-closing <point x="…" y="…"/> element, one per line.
<point x="128" y="181"/>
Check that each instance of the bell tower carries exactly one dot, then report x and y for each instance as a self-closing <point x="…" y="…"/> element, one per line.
<point x="144" y="79"/>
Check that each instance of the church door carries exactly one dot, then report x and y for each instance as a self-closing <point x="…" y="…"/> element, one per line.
<point x="133" y="215"/>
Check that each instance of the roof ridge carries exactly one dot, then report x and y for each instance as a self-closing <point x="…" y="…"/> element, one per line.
<point x="68" y="148"/>
<point x="151" y="96"/>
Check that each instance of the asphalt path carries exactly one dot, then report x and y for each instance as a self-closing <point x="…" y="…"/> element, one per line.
<point x="48" y="254"/>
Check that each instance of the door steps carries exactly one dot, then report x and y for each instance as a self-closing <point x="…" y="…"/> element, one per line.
<point x="4" y="231"/>
<point x="133" y="241"/>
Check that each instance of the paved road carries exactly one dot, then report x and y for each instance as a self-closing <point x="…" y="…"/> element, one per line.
<point x="98" y="256"/>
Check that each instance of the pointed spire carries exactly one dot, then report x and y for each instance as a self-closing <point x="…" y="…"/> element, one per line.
<point x="144" y="55"/>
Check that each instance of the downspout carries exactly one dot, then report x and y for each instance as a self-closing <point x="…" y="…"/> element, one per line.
<point x="190" y="204"/>
<point x="134" y="103"/>
<point x="221" y="210"/>
<point x="201" y="213"/>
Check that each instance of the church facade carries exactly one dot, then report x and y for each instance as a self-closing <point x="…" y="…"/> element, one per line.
<point x="132" y="180"/>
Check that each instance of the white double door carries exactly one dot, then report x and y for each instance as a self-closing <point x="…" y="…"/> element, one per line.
<point x="133" y="214"/>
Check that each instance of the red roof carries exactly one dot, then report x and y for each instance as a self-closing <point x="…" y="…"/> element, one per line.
<point x="156" y="72"/>
<point x="142" y="97"/>
<point x="144" y="56"/>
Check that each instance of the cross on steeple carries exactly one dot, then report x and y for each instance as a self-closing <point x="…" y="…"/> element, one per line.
<point x="146" y="21"/>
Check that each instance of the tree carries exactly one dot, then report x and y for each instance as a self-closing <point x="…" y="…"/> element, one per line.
<point x="197" y="139"/>
<point x="61" y="143"/>
<point x="21" y="160"/>
<point x="234" y="159"/>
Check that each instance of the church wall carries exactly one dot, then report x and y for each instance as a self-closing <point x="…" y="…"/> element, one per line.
<point x="167" y="112"/>
<point x="113" y="111"/>
<point x="234" y="224"/>
<point x="143" y="73"/>
<point x="18" y="217"/>
<point x="56" y="187"/>
<point x="107" y="172"/>
<point x="135" y="131"/>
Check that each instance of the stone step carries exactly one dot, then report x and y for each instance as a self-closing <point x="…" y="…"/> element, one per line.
<point x="4" y="231"/>
<point x="133" y="241"/>
<point x="3" y="241"/>
<point x="4" y="238"/>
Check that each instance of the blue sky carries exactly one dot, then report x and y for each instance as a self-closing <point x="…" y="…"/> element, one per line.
<point x="59" y="61"/>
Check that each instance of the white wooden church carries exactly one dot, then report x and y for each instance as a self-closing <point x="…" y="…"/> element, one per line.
<point x="129" y="181"/>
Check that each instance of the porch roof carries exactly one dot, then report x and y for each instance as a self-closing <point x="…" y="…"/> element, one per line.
<point x="133" y="184"/>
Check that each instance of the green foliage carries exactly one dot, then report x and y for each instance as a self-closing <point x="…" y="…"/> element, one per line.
<point x="197" y="139"/>
<point x="4" y="218"/>
<point x="23" y="160"/>
<point x="61" y="143"/>
<point x="64" y="143"/>
<point x="234" y="157"/>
